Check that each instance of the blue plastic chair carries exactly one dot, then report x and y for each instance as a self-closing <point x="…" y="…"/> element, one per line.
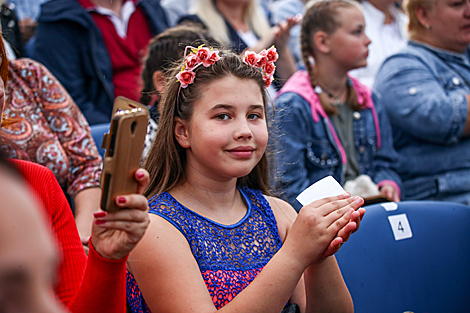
<point x="97" y="131"/>
<point x="427" y="272"/>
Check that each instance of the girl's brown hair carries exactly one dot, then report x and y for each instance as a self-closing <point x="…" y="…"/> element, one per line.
<point x="166" y="161"/>
<point x="321" y="16"/>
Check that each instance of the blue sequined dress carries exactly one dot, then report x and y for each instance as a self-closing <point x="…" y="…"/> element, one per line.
<point x="229" y="256"/>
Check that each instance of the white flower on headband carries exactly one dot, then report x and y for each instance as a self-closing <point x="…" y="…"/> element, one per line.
<point x="264" y="61"/>
<point x="198" y="56"/>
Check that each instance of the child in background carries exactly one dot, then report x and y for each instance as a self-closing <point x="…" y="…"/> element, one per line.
<point x="327" y="121"/>
<point x="164" y="50"/>
<point x="217" y="239"/>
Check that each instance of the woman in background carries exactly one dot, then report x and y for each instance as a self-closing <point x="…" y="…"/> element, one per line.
<point x="425" y="91"/>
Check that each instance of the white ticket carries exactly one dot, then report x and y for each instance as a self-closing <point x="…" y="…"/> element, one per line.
<point x="326" y="187"/>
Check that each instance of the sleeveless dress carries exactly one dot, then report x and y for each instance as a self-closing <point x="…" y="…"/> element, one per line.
<point x="229" y="256"/>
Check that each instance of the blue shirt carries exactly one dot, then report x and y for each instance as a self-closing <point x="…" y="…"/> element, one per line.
<point x="423" y="93"/>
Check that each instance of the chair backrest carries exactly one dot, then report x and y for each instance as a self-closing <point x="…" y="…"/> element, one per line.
<point x="97" y="131"/>
<point x="411" y="256"/>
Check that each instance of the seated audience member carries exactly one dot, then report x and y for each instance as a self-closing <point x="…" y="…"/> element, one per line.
<point x="217" y="240"/>
<point x="386" y="27"/>
<point x="243" y="24"/>
<point x="53" y="132"/>
<point x="425" y="91"/>
<point x="164" y="50"/>
<point x="85" y="284"/>
<point x="327" y="121"/>
<point x="95" y="48"/>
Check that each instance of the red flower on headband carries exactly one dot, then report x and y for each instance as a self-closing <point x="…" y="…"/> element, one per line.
<point x="213" y="57"/>
<point x="269" y="68"/>
<point x="264" y="61"/>
<point x="271" y="54"/>
<point x="196" y="57"/>
<point x="251" y="58"/>
<point x="186" y="77"/>
<point x="268" y="79"/>
<point x="203" y="54"/>
<point x="191" y="61"/>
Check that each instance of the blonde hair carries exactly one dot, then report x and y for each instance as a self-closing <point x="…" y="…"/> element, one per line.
<point x="414" y="25"/>
<point x="207" y="11"/>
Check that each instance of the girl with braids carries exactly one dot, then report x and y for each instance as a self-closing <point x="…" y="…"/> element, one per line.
<point x="327" y="120"/>
<point x="217" y="239"/>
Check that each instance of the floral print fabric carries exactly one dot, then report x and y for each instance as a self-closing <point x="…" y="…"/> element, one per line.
<point x="51" y="130"/>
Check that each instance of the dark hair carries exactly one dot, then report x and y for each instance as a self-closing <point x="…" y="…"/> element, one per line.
<point x="166" y="162"/>
<point x="320" y="16"/>
<point x="167" y="48"/>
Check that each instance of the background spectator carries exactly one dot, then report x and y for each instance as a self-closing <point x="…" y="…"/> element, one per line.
<point x="96" y="49"/>
<point x="52" y="131"/>
<point x="327" y="121"/>
<point x="425" y="90"/>
<point x="386" y="27"/>
<point x="82" y="283"/>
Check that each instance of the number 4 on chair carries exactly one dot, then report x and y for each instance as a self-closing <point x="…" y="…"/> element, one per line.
<point x="400" y="226"/>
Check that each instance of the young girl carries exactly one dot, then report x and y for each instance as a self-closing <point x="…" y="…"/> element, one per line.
<point x="327" y="120"/>
<point x="217" y="240"/>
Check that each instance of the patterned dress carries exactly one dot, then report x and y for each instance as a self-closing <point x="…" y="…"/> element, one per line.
<point x="52" y="131"/>
<point x="229" y="256"/>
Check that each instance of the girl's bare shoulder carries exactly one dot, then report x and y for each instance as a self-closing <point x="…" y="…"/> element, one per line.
<point x="284" y="213"/>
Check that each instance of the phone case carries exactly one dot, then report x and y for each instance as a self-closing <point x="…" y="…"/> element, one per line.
<point x="124" y="145"/>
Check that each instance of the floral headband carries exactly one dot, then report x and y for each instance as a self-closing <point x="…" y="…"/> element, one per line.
<point x="264" y="61"/>
<point x="198" y="56"/>
<point x="205" y="56"/>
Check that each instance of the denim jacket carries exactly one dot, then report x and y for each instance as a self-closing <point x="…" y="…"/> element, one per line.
<point x="309" y="148"/>
<point x="423" y="93"/>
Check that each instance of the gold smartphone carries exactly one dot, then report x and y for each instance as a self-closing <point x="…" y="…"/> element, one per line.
<point x="124" y="145"/>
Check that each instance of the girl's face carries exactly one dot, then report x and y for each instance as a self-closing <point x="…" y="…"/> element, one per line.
<point x="349" y="43"/>
<point x="449" y="23"/>
<point x="227" y="133"/>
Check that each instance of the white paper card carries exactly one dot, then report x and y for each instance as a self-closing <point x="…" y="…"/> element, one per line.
<point x="326" y="187"/>
<point x="390" y="206"/>
<point x="400" y="226"/>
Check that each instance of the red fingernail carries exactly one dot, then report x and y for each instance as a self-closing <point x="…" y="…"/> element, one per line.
<point x="99" y="222"/>
<point x="99" y="214"/>
<point x="121" y="200"/>
<point x="140" y="174"/>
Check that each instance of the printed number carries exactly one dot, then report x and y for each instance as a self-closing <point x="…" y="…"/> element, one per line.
<point x="400" y="227"/>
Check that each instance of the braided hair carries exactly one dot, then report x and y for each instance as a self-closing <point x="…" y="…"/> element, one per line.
<point x="321" y="16"/>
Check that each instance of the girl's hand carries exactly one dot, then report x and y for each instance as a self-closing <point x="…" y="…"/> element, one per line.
<point x="314" y="234"/>
<point x="282" y="32"/>
<point x="389" y="192"/>
<point x="278" y="35"/>
<point x="353" y="226"/>
<point x="114" y="235"/>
